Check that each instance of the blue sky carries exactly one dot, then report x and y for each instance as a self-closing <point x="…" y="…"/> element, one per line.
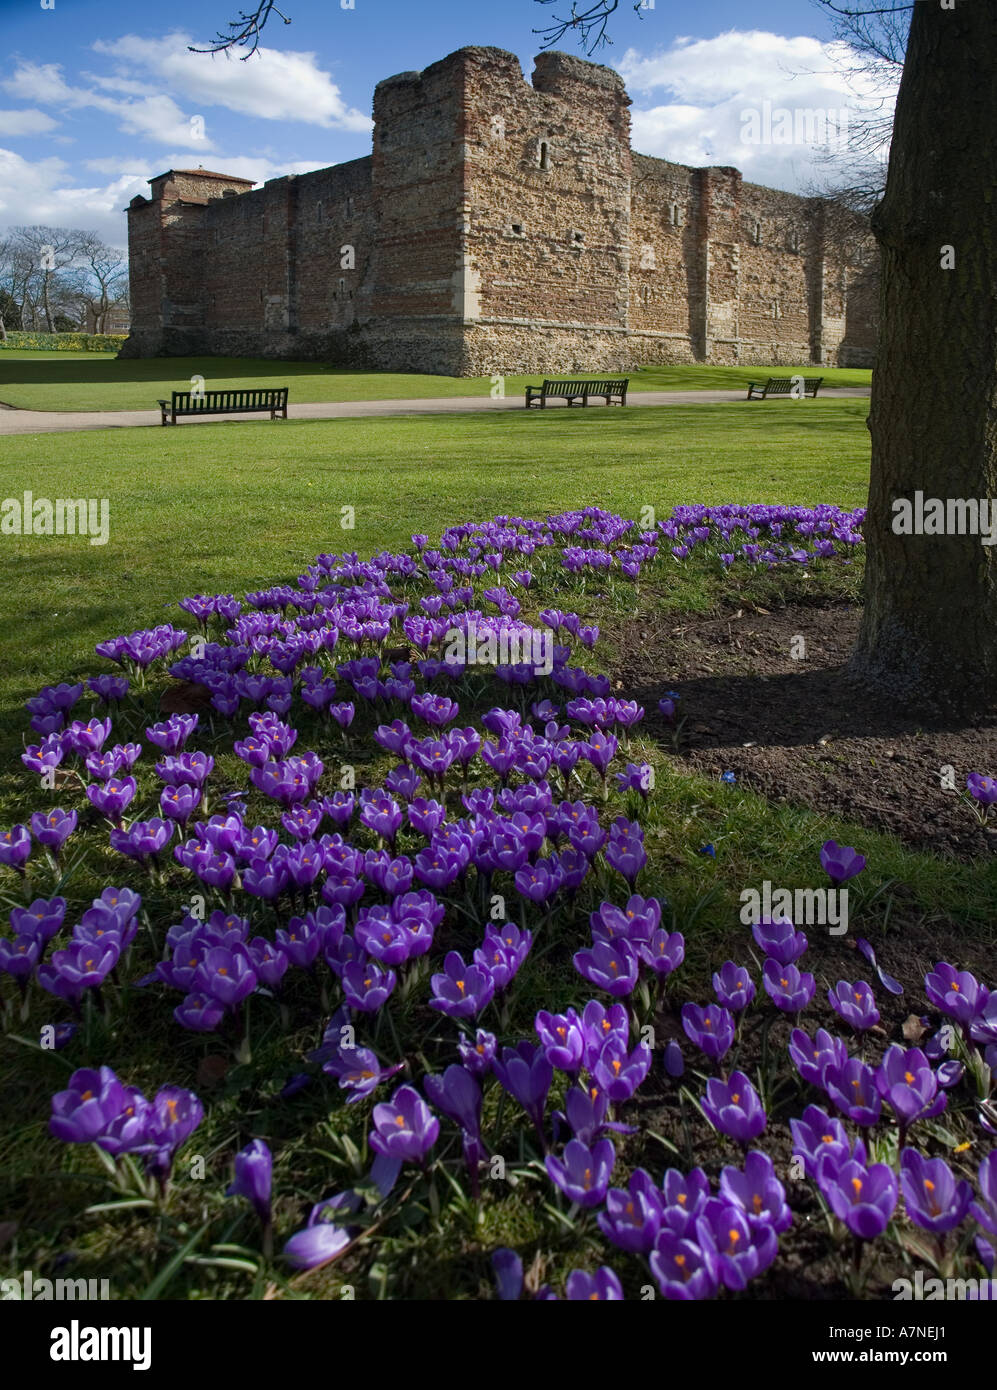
<point x="96" y="96"/>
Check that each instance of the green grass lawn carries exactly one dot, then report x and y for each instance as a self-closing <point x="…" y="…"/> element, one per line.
<point x="100" y="381"/>
<point x="229" y="506"/>
<point x="222" y="507"/>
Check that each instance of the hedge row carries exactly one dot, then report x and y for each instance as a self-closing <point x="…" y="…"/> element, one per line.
<point x="65" y="342"/>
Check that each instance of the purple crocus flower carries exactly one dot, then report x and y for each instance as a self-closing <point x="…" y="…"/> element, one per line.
<point x="840" y="862"/>
<point x="458" y="1094"/>
<point x="711" y="1029"/>
<point x="757" y="1191"/>
<point x="53" y="828"/>
<point x="404" y="1127"/>
<point x="982" y="789"/>
<point x="733" y="987"/>
<point x="985" y="1210"/>
<point x="627" y="857"/>
<point x="618" y="1072"/>
<point x="674" y="1061"/>
<point x="789" y="989"/>
<point x="682" y="1270"/>
<point x="19" y="957"/>
<point x="174" y="1114"/>
<point x="508" y="1269"/>
<point x="323" y="1238"/>
<point x="171" y="735"/>
<point x="41" y="919"/>
<point x="87" y="738"/>
<point x="820" y="1138"/>
<point x="603" y="1285"/>
<point x="461" y="991"/>
<point x="599" y="1023"/>
<point x="853" y="1090"/>
<point x="226" y="974"/>
<point x="611" y="966"/>
<point x="633" y="1217"/>
<point x="583" y="1173"/>
<point x="855" y="1003"/>
<point x="910" y="1086"/>
<point x="142" y="839"/>
<point x="733" y="1107"/>
<point x="956" y="993"/>
<point x="525" y="1073"/>
<point x="79" y="966"/>
<point x="366" y="984"/>
<point x="813" y="1056"/>
<point x="933" y="1198"/>
<point x="254" y="1178"/>
<point x="15" y="847"/>
<point x="87" y="1106"/>
<point x="179" y="803"/>
<point x="863" y="1198"/>
<point x="113" y="797"/>
<point x="477" y="1055"/>
<point x="780" y="940"/>
<point x="741" y="1249"/>
<point x="199" y="1013"/>
<point x="562" y="1038"/>
<point x="127" y="1131"/>
<point x="359" y="1071"/>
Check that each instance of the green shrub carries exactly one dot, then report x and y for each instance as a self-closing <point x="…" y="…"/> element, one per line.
<point x="65" y="342"/>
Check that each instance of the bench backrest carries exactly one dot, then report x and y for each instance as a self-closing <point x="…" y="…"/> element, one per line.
<point x="782" y="385"/>
<point x="264" y="398"/>
<point x="577" y="388"/>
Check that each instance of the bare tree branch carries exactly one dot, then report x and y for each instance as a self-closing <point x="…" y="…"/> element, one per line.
<point x="589" y="24"/>
<point x="244" y="32"/>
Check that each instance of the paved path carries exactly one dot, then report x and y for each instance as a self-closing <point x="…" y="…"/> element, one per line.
<point x="58" y="421"/>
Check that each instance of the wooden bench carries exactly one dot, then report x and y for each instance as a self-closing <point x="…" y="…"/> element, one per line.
<point x="783" y="386"/>
<point x="572" y="391"/>
<point x="240" y="402"/>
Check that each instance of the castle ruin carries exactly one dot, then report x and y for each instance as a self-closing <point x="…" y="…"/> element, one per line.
<point x="498" y="227"/>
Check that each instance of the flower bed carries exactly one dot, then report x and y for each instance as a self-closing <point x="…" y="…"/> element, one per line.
<point x="372" y="841"/>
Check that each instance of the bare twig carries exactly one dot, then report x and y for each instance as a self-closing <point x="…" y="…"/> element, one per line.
<point x="589" y="24"/>
<point x="244" y="32"/>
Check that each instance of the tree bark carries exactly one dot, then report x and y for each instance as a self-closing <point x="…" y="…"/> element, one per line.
<point x="929" y="628"/>
<point x="45" y="300"/>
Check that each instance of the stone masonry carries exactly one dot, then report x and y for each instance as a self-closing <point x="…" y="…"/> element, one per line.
<point x="498" y="228"/>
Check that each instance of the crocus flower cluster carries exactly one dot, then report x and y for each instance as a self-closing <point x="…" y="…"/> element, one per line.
<point x="349" y="888"/>
<point x="98" y="1108"/>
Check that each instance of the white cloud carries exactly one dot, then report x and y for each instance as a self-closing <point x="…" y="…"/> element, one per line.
<point x="27" y="121"/>
<point x="40" y="192"/>
<point x="274" y="85"/>
<point x="711" y="85"/>
<point x="155" y="116"/>
<point x="43" y="192"/>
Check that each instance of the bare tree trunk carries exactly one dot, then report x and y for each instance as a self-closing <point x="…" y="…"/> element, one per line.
<point x="45" y="300"/>
<point x="930" y="622"/>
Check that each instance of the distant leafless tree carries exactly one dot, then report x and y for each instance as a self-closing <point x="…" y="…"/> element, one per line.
<point x="97" y="282"/>
<point x="55" y="274"/>
<point x="870" y="44"/>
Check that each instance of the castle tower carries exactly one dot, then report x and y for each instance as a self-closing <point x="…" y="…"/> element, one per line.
<point x="167" y="267"/>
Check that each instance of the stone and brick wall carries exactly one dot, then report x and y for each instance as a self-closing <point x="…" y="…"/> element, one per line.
<point x="498" y="227"/>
